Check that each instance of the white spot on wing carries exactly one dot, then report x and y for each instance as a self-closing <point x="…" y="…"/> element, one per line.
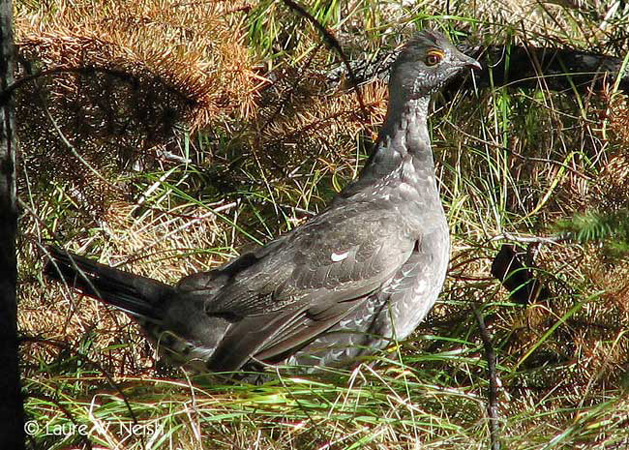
<point x="336" y="257"/>
<point x="406" y="188"/>
<point x="420" y="287"/>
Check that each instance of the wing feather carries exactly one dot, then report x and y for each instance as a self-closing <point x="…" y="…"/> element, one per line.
<point x="303" y="287"/>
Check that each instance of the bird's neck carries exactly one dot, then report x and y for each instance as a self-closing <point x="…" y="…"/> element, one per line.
<point x="405" y="128"/>
<point x="403" y="137"/>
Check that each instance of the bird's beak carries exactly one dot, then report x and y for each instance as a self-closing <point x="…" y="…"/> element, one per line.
<point x="469" y="62"/>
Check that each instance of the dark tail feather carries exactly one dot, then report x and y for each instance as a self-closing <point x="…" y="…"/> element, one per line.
<point x="137" y="295"/>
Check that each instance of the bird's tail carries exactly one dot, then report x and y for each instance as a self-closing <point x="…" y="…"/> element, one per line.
<point x="134" y="294"/>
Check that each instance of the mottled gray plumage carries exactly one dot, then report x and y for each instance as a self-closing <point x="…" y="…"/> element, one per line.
<point x="364" y="271"/>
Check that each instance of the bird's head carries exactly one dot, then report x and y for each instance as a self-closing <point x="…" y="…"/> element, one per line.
<point x="425" y="64"/>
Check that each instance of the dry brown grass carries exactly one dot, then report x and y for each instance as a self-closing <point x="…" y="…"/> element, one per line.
<point x="197" y="50"/>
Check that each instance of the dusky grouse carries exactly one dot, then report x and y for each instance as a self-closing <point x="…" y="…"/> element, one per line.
<point x="362" y="273"/>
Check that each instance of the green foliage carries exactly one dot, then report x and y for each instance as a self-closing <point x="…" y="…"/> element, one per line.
<point x="610" y="229"/>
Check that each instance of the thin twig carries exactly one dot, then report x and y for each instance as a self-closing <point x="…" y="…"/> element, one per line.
<point x="553" y="239"/>
<point x="332" y="42"/>
<point x="492" y="405"/>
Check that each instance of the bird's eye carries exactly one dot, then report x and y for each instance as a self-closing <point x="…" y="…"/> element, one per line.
<point x="433" y="57"/>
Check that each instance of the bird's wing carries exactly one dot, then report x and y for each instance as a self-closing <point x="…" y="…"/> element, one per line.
<point x="318" y="274"/>
<point x="302" y="328"/>
<point x="342" y="254"/>
<point x="273" y="337"/>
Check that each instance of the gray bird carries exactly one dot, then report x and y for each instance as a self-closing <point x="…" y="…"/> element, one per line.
<point x="361" y="274"/>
